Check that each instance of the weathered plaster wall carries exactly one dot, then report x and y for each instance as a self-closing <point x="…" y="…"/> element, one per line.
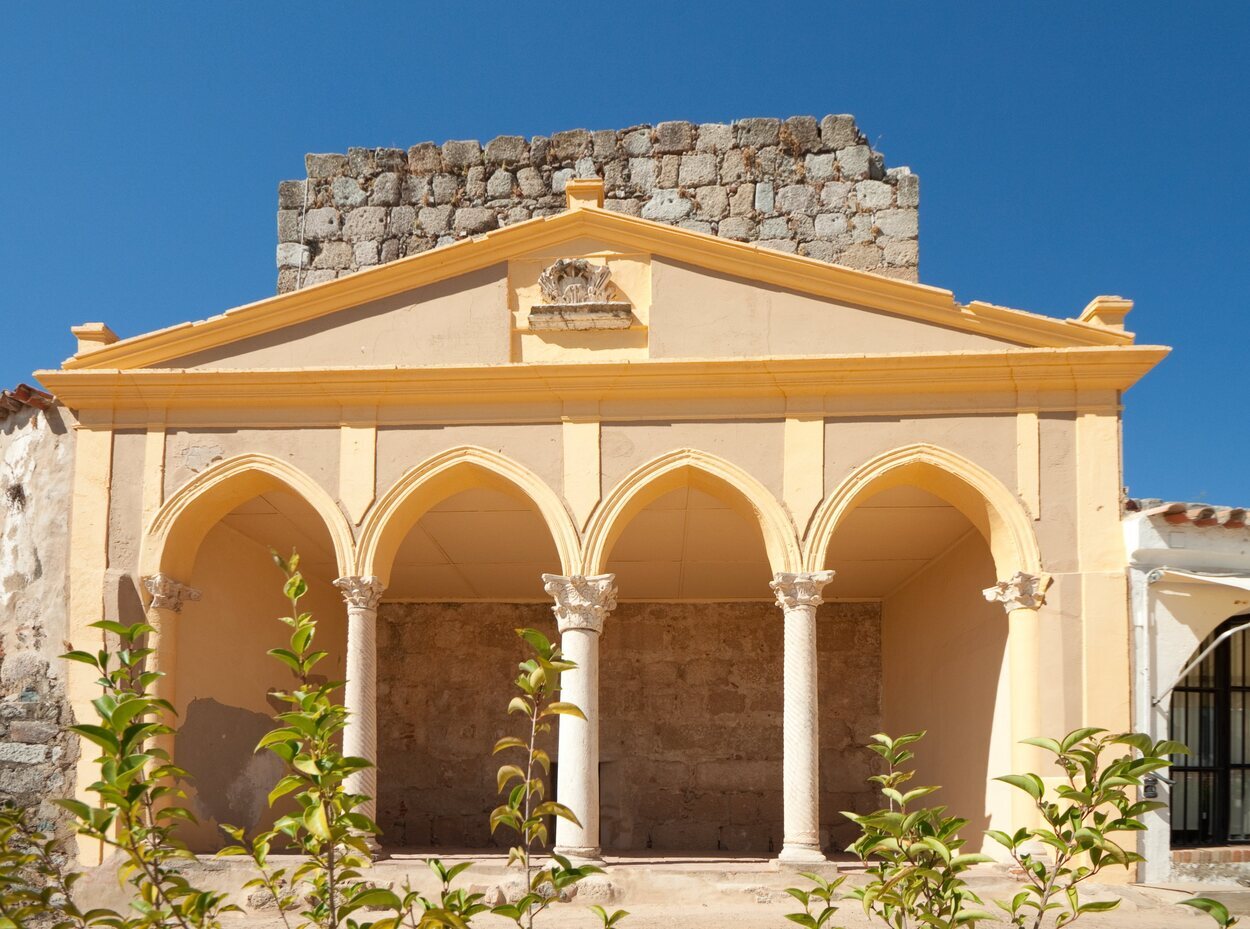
<point x="691" y="720"/>
<point x="797" y="185"/>
<point x="315" y="451"/>
<point x="36" y="468"/>
<point x="944" y="656"/>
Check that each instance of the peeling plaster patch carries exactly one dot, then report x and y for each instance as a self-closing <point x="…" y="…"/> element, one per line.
<point x="199" y="457"/>
<point x="216" y="744"/>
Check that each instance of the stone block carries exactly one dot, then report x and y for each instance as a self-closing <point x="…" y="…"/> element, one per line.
<point x="17" y="753"/>
<point x="900" y="224"/>
<point x="585" y="167"/>
<point x="802" y="227"/>
<point x="839" y="131"/>
<point x="614" y="175"/>
<point x="32" y="731"/>
<point x="863" y="256"/>
<point x="874" y="195"/>
<point x="569" y="145"/>
<point x="347" y="193"/>
<point x="325" y="165"/>
<point x="821" y="167"/>
<point x="335" y="255"/>
<point x="500" y="185"/>
<point x="366" y="222"/>
<point x="643" y="174"/>
<point x="290" y="195"/>
<point x="531" y="182"/>
<point x="288" y="225"/>
<point x="475" y="183"/>
<point x="389" y="251"/>
<point x="560" y="178"/>
<point x="444" y="187"/>
<point x="829" y="225"/>
<point x="402" y="221"/>
<point x="390" y="159"/>
<point x="776" y="228"/>
<point x="425" y="158"/>
<point x="779" y="245"/>
<point x="764" y="197"/>
<point x="674" y="136"/>
<point x="758" y="132"/>
<point x="697" y="170"/>
<point x="386" y="189"/>
<point x="361" y="162"/>
<point x="667" y="206"/>
<point x="627" y="206"/>
<point x="715" y="137"/>
<point x="508" y="150"/>
<point x="462" y="153"/>
<point x="742" y="200"/>
<point x="435" y="219"/>
<point x="604" y="145"/>
<point x="734" y="166"/>
<point x="854" y="162"/>
<point x="713" y="202"/>
<point x="474" y="220"/>
<point x="636" y="142"/>
<point x="834" y="195"/>
<point x="365" y="254"/>
<point x="800" y="135"/>
<point x="696" y="225"/>
<point x="821" y="249"/>
<point x="322" y="223"/>
<point x="900" y="252"/>
<point x="516" y="214"/>
<point x="670" y="167"/>
<point x="796" y="198"/>
<point x="293" y="255"/>
<point x="876" y="166"/>
<point x="909" y="190"/>
<point x="416" y="189"/>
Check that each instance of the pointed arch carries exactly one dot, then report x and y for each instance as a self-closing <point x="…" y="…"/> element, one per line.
<point x="173" y="539"/>
<point x="993" y="509"/>
<point x="661" y="475"/>
<point x="442" y="476"/>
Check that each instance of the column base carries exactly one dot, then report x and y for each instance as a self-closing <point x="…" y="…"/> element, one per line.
<point x="794" y="854"/>
<point x="580" y="854"/>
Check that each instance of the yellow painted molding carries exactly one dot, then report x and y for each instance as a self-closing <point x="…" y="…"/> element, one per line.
<point x="1085" y="369"/>
<point x="581" y="465"/>
<point x="89" y="526"/>
<point x="173" y="537"/>
<point x="442" y="476"/>
<point x="358" y="455"/>
<point x="671" y="471"/>
<point x="803" y="480"/>
<point x="743" y="260"/>
<point x="993" y="509"/>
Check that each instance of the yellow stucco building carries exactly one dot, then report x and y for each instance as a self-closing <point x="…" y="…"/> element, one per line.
<point x="776" y="504"/>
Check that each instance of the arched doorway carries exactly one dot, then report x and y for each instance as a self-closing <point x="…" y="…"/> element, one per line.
<point x="460" y="544"/>
<point x="1210" y="713"/>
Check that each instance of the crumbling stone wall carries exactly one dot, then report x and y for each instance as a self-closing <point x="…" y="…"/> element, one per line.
<point x="36" y="467"/>
<point x="691" y="701"/>
<point x="798" y="185"/>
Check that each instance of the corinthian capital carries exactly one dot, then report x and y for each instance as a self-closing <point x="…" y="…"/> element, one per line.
<point x="796" y="590"/>
<point x="1021" y="592"/>
<point x="581" y="602"/>
<point x="363" y="592"/>
<point x="168" y="594"/>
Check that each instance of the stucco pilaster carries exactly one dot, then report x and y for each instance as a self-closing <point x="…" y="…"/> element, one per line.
<point x="798" y="595"/>
<point x="581" y="606"/>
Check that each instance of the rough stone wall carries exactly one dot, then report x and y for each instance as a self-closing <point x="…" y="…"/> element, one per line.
<point x="798" y="185"/>
<point x="36" y="467"/>
<point x="690" y="696"/>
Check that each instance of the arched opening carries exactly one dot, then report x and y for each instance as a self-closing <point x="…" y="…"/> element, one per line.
<point x="690" y="666"/>
<point x="461" y="543"/>
<point x="914" y="543"/>
<point x="1210" y="713"/>
<point x="215" y="535"/>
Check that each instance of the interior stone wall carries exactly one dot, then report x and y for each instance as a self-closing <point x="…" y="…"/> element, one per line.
<point x="691" y="700"/>
<point x="815" y="187"/>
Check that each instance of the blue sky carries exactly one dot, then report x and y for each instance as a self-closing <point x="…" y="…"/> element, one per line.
<point x="1065" y="150"/>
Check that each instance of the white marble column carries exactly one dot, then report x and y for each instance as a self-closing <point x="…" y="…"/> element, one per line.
<point x="798" y="595"/>
<point x="582" y="604"/>
<point x="1022" y="596"/>
<point x="360" y="736"/>
<point x="168" y="596"/>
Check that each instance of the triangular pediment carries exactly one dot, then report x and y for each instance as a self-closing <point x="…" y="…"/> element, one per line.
<point x="676" y="294"/>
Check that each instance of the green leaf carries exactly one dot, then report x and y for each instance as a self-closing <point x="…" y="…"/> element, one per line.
<point x="1213" y="908"/>
<point x="1031" y="784"/>
<point x="560" y="708"/>
<point x="506" y="774"/>
<point x="315" y="822"/>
